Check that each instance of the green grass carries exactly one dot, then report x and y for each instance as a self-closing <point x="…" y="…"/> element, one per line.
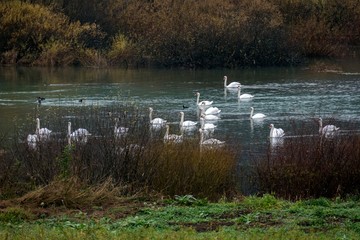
<point x="248" y="218"/>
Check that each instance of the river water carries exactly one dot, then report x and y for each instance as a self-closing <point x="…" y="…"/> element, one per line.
<point x="285" y="95"/>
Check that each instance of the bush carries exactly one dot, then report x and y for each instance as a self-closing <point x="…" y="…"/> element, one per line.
<point x="37" y="35"/>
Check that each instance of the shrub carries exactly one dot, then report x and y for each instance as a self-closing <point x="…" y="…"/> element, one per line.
<point x="41" y="36"/>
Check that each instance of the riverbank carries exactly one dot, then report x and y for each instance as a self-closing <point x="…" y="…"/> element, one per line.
<point x="185" y="217"/>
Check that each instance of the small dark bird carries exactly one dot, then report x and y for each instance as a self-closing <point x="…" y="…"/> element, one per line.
<point x="185" y="107"/>
<point x="39" y="99"/>
<point x="81" y="100"/>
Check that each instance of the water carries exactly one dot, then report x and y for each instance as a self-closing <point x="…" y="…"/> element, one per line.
<point x="285" y="95"/>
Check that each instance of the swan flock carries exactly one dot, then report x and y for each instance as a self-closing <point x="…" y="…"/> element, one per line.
<point x="207" y="112"/>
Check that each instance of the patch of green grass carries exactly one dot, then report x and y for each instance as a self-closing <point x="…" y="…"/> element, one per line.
<point x="15" y="215"/>
<point x="250" y="218"/>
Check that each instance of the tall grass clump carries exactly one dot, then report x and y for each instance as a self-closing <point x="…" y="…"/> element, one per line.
<point x="138" y="161"/>
<point x="312" y="166"/>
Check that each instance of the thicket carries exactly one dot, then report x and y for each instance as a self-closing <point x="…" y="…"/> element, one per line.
<point x="178" y="33"/>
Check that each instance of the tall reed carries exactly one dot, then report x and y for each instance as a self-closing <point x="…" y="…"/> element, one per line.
<point x="140" y="159"/>
<point x="312" y="166"/>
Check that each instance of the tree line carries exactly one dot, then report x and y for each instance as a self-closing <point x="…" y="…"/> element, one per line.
<point x="176" y="33"/>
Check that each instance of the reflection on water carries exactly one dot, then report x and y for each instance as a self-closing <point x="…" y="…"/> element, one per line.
<point x="284" y="95"/>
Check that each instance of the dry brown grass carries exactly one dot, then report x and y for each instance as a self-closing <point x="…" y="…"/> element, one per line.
<point x="73" y="194"/>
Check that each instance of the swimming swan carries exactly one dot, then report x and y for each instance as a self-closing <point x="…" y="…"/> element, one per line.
<point x="210" y="117"/>
<point x="206" y="126"/>
<point x="43" y="133"/>
<point x="328" y="130"/>
<point x="155" y="121"/>
<point x="256" y="116"/>
<point x="276" y="132"/>
<point x="172" y="138"/>
<point x="119" y="131"/>
<point x="232" y="84"/>
<point x="212" y="111"/>
<point x="79" y="135"/>
<point x="245" y="95"/>
<point x="186" y="123"/>
<point x="210" y="141"/>
<point x="202" y="103"/>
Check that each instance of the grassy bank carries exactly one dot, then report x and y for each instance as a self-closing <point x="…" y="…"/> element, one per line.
<point x="185" y="217"/>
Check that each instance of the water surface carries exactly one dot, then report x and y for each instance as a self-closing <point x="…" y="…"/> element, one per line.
<point x="285" y="95"/>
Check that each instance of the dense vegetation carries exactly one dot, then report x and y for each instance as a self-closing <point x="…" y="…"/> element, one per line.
<point x="178" y="33"/>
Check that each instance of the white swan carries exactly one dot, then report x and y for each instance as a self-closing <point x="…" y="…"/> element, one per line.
<point x="155" y="121"/>
<point x="202" y="103"/>
<point x="232" y="84"/>
<point x="43" y="133"/>
<point x="206" y="126"/>
<point x="256" y="116"/>
<point x="119" y="131"/>
<point x="210" y="141"/>
<point x="79" y="135"/>
<point x="245" y="95"/>
<point x="186" y="123"/>
<point x="172" y="138"/>
<point x="210" y="117"/>
<point x="276" y="132"/>
<point x="328" y="130"/>
<point x="212" y="111"/>
<point x="32" y="140"/>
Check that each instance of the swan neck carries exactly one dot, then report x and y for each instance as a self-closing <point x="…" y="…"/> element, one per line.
<point x="69" y="133"/>
<point x="150" y="115"/>
<point x="272" y="131"/>
<point x="320" y="126"/>
<point x="167" y="132"/>
<point x="182" y="119"/>
<point x="198" y="98"/>
<point x="251" y="113"/>
<point x="239" y="92"/>
<point x="225" y="82"/>
<point x="37" y="126"/>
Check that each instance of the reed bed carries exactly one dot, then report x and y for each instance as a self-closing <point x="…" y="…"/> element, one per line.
<point x="58" y="173"/>
<point x="311" y="166"/>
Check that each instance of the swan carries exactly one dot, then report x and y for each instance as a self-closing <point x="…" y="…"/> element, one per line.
<point x="210" y="141"/>
<point x="186" y="123"/>
<point x="155" y="121"/>
<point x="212" y="111"/>
<point x="43" y="133"/>
<point x="172" y="138"/>
<point x="32" y="140"/>
<point x="232" y="84"/>
<point x="202" y="103"/>
<point x="256" y="116"/>
<point x="79" y="135"/>
<point x="276" y="132"/>
<point x="119" y="131"/>
<point x="245" y="95"/>
<point x="328" y="130"/>
<point x="210" y="117"/>
<point x="206" y="126"/>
